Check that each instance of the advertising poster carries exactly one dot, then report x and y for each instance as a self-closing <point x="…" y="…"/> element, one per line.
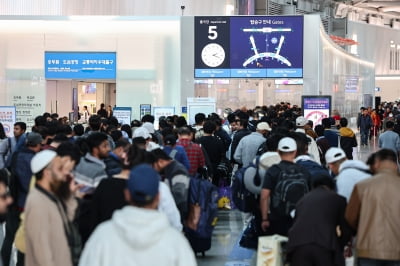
<point x="184" y="112"/>
<point x="123" y="114"/>
<point x="145" y="109"/>
<point x="159" y="111"/>
<point x="199" y="105"/>
<point x="351" y="84"/>
<point x="163" y="111"/>
<point x="316" y="108"/>
<point x="8" y="119"/>
<point x="28" y="105"/>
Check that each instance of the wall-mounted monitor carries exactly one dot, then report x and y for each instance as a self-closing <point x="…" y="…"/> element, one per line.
<point x="316" y="108"/>
<point x="249" y="47"/>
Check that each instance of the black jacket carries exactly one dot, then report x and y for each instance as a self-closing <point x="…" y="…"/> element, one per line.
<point x="347" y="144"/>
<point x="317" y="215"/>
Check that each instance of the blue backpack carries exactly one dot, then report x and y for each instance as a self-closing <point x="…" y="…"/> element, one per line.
<point x="243" y="199"/>
<point x="314" y="168"/>
<point x="203" y="194"/>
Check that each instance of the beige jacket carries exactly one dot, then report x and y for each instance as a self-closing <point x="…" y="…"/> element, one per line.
<point x="374" y="211"/>
<point x="46" y="243"/>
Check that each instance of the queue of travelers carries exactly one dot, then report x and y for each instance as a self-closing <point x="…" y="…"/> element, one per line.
<point x="112" y="194"/>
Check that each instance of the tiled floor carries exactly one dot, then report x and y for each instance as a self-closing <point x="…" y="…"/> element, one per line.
<point x="225" y="250"/>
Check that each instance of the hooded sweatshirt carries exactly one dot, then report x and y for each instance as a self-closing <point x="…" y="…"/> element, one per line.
<point x="137" y="236"/>
<point x="350" y="173"/>
<point x="346" y="132"/>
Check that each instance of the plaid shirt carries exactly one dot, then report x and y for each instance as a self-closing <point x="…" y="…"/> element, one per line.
<point x="194" y="153"/>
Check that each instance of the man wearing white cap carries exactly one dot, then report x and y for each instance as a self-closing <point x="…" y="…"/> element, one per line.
<point x="348" y="172"/>
<point x="301" y="122"/>
<point x="276" y="213"/>
<point x="50" y="208"/>
<point x="246" y="151"/>
<point x="144" y="133"/>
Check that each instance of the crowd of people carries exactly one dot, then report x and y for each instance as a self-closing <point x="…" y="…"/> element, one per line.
<point x="116" y="194"/>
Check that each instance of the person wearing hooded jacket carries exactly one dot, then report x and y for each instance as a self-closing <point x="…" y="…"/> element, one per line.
<point x="347" y="138"/>
<point x="348" y="172"/>
<point x="138" y="234"/>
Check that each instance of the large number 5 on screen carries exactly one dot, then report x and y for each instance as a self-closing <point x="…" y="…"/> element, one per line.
<point x="212" y="32"/>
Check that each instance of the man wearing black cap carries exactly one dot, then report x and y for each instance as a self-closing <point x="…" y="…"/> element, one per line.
<point x="138" y="234"/>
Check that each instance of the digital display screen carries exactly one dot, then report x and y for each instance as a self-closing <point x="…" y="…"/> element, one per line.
<point x="212" y="47"/>
<point x="80" y="65"/>
<point x="316" y="108"/>
<point x="249" y="47"/>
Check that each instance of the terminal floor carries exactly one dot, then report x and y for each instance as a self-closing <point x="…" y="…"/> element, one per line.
<point x="225" y="249"/>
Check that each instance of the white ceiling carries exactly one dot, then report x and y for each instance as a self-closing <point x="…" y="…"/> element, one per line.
<point x="391" y="7"/>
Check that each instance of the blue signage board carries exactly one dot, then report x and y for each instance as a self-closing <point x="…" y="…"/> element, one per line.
<point x="249" y="47"/>
<point x="80" y="65"/>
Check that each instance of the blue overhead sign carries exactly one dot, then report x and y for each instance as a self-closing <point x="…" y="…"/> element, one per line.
<point x="80" y="65"/>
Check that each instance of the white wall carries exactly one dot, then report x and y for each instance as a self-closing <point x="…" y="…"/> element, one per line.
<point x="148" y="58"/>
<point x="389" y="90"/>
<point x="374" y="44"/>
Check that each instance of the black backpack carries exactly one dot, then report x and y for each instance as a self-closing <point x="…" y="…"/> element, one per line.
<point x="292" y="185"/>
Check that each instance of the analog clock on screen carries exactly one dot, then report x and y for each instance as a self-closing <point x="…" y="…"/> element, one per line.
<point x="213" y="55"/>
